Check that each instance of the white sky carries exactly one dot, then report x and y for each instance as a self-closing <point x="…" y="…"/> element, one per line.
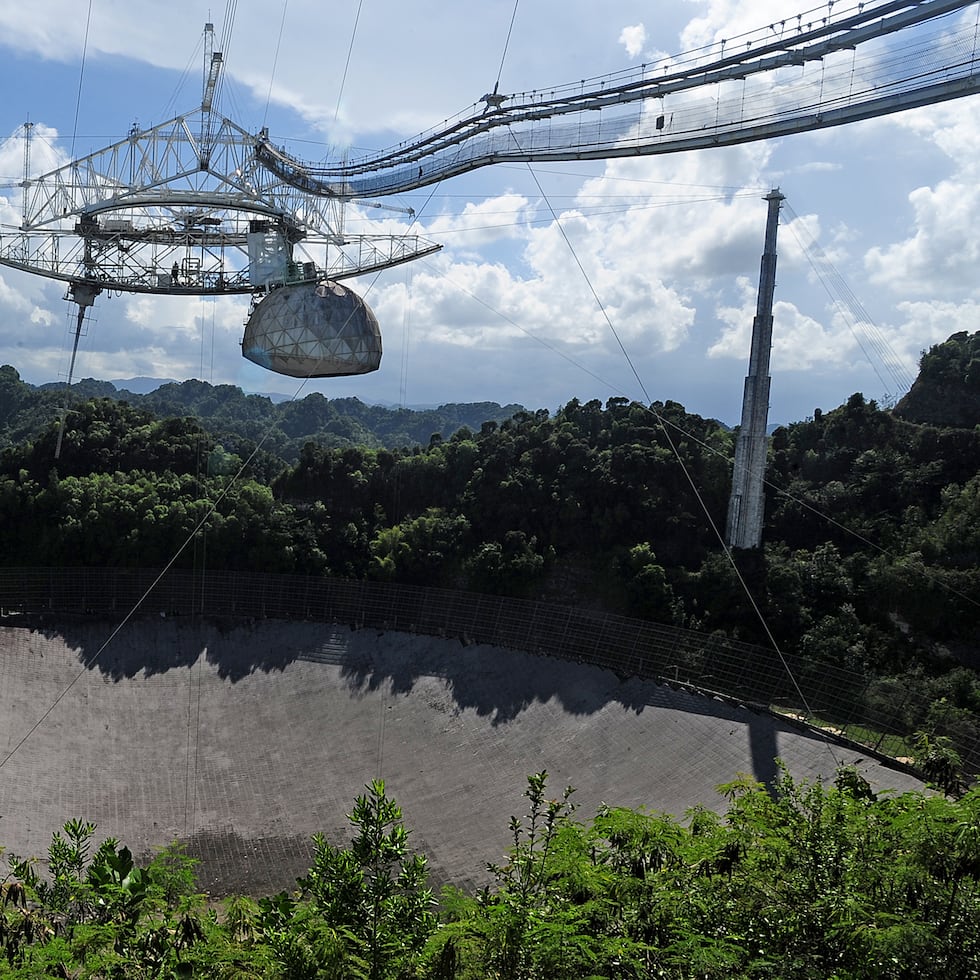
<point x="670" y="246"/>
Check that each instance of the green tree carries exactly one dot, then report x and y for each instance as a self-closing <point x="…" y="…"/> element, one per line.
<point x="511" y="567"/>
<point x="99" y="912"/>
<point x="424" y="550"/>
<point x="648" y="592"/>
<point x="376" y="890"/>
<point x="521" y="932"/>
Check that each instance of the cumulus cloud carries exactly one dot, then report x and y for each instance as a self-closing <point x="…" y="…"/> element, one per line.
<point x="799" y="341"/>
<point x="661" y="249"/>
<point x="736" y="20"/>
<point x="482" y="223"/>
<point x="633" y="38"/>
<point x="29" y="314"/>
<point x="923" y="324"/>
<point x="690" y="217"/>
<point x="841" y="341"/>
<point x="633" y="268"/>
<point x="939" y="256"/>
<point x="13" y="301"/>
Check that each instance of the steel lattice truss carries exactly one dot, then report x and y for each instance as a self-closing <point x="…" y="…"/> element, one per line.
<point x="178" y="208"/>
<point x="200" y="205"/>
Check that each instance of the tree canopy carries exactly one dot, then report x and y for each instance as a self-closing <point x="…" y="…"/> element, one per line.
<point x="871" y="555"/>
<point x="807" y="880"/>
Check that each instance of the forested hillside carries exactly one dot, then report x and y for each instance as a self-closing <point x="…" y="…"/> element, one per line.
<point x="947" y="391"/>
<point x="229" y="414"/>
<point x="871" y="560"/>
<point x="872" y="541"/>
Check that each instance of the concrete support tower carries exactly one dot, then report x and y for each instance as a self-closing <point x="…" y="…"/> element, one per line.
<point x="746" y="506"/>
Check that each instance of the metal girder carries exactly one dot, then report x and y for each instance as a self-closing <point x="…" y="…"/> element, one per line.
<point x="142" y="262"/>
<point x="170" y="160"/>
<point x="172" y="208"/>
<point x="867" y="60"/>
<point x="169" y="209"/>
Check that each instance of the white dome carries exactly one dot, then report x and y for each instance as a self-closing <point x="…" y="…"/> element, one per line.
<point x="313" y="330"/>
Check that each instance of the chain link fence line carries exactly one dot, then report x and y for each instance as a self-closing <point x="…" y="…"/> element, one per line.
<point x="848" y="703"/>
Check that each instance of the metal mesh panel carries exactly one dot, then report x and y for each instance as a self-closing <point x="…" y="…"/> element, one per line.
<point x="630" y="647"/>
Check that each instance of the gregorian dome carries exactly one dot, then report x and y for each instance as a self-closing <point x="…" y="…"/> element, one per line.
<point x="313" y="330"/>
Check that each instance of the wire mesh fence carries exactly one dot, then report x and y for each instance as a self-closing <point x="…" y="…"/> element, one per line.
<point x="875" y="712"/>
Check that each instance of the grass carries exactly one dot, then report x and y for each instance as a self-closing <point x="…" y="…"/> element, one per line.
<point x="891" y="744"/>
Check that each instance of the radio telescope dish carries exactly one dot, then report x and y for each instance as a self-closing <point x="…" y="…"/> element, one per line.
<point x="313" y="330"/>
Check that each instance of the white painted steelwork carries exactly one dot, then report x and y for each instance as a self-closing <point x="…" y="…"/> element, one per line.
<point x="834" y="65"/>
<point x="198" y="205"/>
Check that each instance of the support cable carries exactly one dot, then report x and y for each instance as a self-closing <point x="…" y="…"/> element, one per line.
<point x="191" y="536"/>
<point x="350" y="50"/>
<point x="81" y="76"/>
<point x="224" y="47"/>
<point x="844" y="299"/>
<point x="231" y="7"/>
<point x="677" y="456"/>
<point x="696" y="440"/>
<point x="192" y="62"/>
<point x="510" y="30"/>
<point x="275" y="62"/>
